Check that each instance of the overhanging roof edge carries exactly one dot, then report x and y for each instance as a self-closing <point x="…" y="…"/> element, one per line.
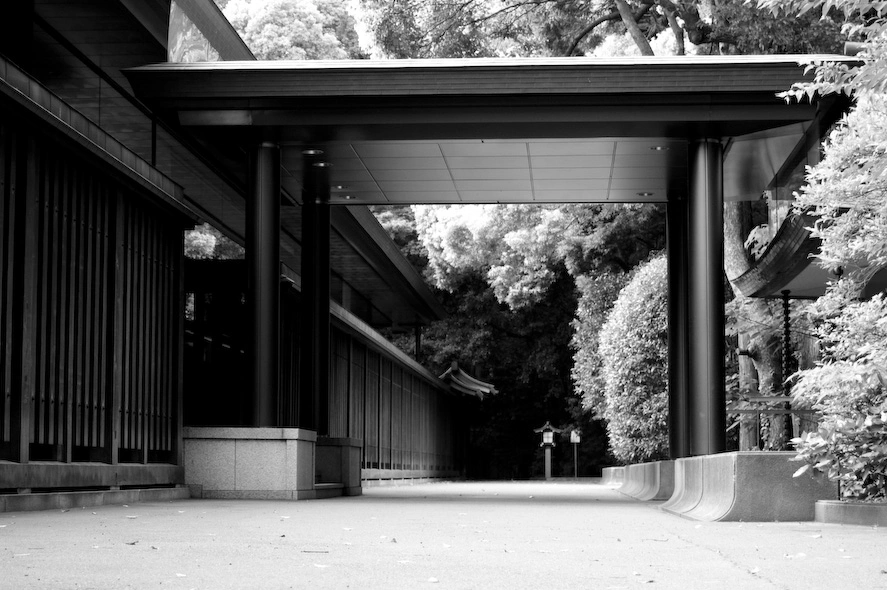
<point x="370" y="226"/>
<point x="794" y="60"/>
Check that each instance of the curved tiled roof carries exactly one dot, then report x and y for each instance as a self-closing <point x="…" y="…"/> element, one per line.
<point x="465" y="383"/>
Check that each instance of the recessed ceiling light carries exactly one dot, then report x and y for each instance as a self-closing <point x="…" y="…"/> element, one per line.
<point x="645" y="194"/>
<point x="348" y="197"/>
<point x="312" y="152"/>
<point x="339" y="187"/>
<point x="321" y="164"/>
<point x="660" y="148"/>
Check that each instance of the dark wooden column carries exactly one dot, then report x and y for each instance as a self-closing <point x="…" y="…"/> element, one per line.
<point x="315" y="340"/>
<point x="705" y="299"/>
<point x="263" y="257"/>
<point x="678" y="406"/>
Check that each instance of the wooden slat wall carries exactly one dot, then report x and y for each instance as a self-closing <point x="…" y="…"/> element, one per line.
<point x="340" y="378"/>
<point x="90" y="312"/>
<point x="371" y="417"/>
<point x="385" y="414"/>
<point x="288" y="400"/>
<point x="149" y="336"/>
<point x="405" y="422"/>
<point x="10" y="215"/>
<point x="357" y="391"/>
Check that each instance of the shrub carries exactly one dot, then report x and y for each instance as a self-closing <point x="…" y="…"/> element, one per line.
<point x="634" y="349"/>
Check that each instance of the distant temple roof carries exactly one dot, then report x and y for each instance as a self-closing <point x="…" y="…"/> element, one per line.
<point x="465" y="383"/>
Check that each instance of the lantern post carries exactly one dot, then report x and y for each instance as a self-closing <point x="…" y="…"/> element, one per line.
<point x="548" y="431"/>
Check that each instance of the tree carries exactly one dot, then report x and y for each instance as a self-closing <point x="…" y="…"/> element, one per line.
<point x="295" y="29"/>
<point x="523" y="348"/>
<point x="479" y="28"/>
<point x="530" y="256"/>
<point x="206" y="242"/>
<point x="634" y="348"/>
<point x="520" y="247"/>
<point x="525" y="353"/>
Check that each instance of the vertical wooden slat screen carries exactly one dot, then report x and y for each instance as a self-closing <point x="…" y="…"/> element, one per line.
<point x="151" y="263"/>
<point x="396" y="426"/>
<point x="89" y="311"/>
<point x="288" y="396"/>
<point x="385" y="414"/>
<point x="74" y="282"/>
<point x="340" y="370"/>
<point x="356" y="423"/>
<point x="371" y="416"/>
<point x="10" y="211"/>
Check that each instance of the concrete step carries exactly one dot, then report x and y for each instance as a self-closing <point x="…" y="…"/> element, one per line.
<point x="84" y="499"/>
<point x="329" y="490"/>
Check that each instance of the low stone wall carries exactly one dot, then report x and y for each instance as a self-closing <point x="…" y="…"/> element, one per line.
<point x="861" y="513"/>
<point x="653" y="481"/>
<point x="382" y="477"/>
<point x="89" y="499"/>
<point x="746" y="486"/>
<point x="250" y="463"/>
<point x="612" y="476"/>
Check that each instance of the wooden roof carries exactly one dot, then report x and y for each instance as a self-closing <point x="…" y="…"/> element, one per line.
<point x="465" y="383"/>
<point x="487" y="130"/>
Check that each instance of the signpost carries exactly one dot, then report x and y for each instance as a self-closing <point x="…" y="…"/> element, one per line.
<point x="574" y="438"/>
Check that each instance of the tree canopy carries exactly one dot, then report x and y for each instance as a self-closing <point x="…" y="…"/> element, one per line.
<point x="519" y="248"/>
<point x="484" y="28"/>
<point x="295" y="29"/>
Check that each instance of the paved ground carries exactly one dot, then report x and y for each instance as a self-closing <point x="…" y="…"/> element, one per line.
<point x="444" y="535"/>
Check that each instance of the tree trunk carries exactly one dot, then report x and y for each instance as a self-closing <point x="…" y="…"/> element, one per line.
<point x="676" y="30"/>
<point x="749" y="429"/>
<point x="633" y="29"/>
<point x="767" y="356"/>
<point x="737" y="224"/>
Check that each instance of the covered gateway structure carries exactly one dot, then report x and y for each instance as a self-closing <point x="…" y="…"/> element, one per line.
<point x="690" y="132"/>
<point x="108" y="153"/>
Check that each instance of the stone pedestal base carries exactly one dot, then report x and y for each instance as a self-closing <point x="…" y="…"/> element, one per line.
<point x="338" y="462"/>
<point x="746" y="486"/>
<point x="861" y="513"/>
<point x="250" y="463"/>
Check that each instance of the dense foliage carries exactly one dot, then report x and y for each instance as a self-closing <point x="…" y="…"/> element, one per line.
<point x="207" y="242"/>
<point x="523" y="251"/>
<point x="847" y="191"/>
<point x="597" y="293"/>
<point x="523" y="350"/>
<point x="518" y="248"/>
<point x="634" y="349"/>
